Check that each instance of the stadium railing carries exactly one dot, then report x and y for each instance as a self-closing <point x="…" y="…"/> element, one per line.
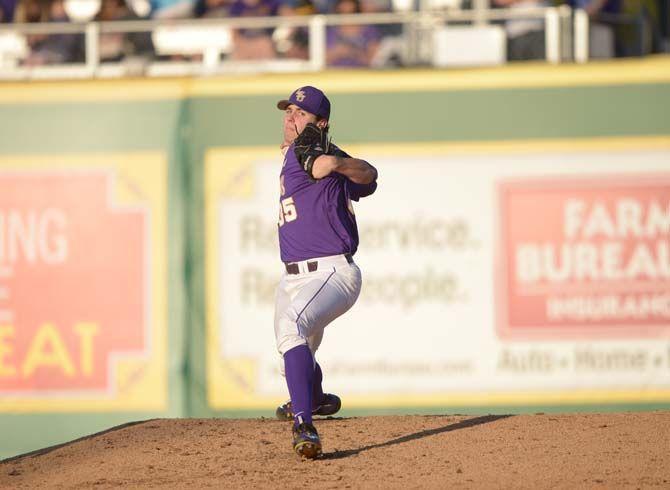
<point x="201" y="45"/>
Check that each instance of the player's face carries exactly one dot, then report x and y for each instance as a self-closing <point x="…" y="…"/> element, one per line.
<point x="295" y="120"/>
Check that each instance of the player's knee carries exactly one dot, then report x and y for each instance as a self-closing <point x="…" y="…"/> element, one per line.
<point x="288" y="342"/>
<point x="288" y="335"/>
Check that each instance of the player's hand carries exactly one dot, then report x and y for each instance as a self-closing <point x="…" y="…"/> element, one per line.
<point x="311" y="144"/>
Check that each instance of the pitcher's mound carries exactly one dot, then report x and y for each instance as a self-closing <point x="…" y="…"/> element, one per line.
<point x="614" y="450"/>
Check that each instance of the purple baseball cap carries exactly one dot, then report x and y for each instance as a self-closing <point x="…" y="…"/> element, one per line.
<point x="310" y="99"/>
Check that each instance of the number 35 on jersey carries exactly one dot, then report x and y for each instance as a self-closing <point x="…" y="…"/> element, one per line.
<point x="287" y="211"/>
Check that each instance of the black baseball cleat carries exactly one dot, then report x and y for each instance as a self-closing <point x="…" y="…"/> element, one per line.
<point x="330" y="405"/>
<point x="306" y="442"/>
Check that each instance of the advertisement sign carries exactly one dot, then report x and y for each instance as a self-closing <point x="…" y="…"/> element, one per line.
<point x="586" y="257"/>
<point x="82" y="298"/>
<point x="493" y="273"/>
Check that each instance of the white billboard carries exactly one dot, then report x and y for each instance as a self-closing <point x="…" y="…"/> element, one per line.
<point x="492" y="274"/>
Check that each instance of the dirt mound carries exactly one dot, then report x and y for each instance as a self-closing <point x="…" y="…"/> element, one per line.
<point x="516" y="451"/>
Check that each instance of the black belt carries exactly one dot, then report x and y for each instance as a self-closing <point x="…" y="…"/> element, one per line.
<point x="312" y="265"/>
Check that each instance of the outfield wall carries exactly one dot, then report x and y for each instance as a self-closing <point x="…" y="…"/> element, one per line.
<point x="515" y="257"/>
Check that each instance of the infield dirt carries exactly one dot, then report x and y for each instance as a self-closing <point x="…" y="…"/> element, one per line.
<point x="611" y="450"/>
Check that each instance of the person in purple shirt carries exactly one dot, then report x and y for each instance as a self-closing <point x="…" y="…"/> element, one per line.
<point x="351" y="45"/>
<point x="253" y="44"/>
<point x="7" y="8"/>
<point x="318" y="238"/>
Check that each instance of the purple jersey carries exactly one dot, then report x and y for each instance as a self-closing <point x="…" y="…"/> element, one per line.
<point x="316" y="219"/>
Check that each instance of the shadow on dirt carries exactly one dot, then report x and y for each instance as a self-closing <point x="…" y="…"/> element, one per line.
<point x="463" y="424"/>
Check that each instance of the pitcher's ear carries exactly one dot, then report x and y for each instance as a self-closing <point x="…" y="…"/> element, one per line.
<point x="322" y="123"/>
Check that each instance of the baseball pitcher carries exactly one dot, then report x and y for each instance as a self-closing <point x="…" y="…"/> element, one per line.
<point x="318" y="238"/>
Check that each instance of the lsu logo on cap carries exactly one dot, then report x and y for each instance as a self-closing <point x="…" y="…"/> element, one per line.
<point x="300" y="95"/>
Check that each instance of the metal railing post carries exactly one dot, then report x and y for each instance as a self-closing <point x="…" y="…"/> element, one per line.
<point x="409" y="30"/>
<point x="317" y="43"/>
<point x="92" y="40"/>
<point x="552" y="36"/>
<point x="481" y="6"/>
<point x="581" y="36"/>
<point x="567" y="41"/>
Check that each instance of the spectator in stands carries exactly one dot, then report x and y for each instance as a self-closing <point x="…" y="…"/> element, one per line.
<point x="380" y="7"/>
<point x="253" y="44"/>
<point x="351" y="45"/>
<point x="172" y="9"/>
<point x="54" y="48"/>
<point x="213" y="8"/>
<point x="293" y="42"/>
<point x="392" y="45"/>
<point x="7" y="8"/>
<point x="32" y="11"/>
<point x="115" y="46"/>
<point x="325" y="6"/>
<point x="298" y="44"/>
<point x="525" y="37"/>
<point x="602" y="29"/>
<point x="297" y="7"/>
<point x="376" y="6"/>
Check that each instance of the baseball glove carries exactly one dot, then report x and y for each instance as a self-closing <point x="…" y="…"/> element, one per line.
<point x="309" y="145"/>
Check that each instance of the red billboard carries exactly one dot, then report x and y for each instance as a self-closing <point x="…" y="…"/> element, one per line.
<point x="74" y="281"/>
<point x="584" y="257"/>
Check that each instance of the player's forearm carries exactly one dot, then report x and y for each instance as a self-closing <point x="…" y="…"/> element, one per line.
<point x="357" y="170"/>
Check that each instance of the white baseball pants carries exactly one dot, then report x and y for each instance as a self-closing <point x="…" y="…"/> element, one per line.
<point x="308" y="301"/>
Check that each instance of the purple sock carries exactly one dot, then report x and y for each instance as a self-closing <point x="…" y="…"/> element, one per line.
<point x="317" y="390"/>
<point x="299" y="368"/>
